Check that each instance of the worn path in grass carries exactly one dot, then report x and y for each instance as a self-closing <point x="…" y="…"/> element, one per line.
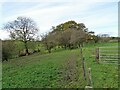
<point x="49" y="70"/>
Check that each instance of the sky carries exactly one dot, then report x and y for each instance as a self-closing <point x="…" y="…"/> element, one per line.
<point x="100" y="17"/>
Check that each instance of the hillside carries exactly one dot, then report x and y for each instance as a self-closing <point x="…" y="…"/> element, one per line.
<point x="62" y="68"/>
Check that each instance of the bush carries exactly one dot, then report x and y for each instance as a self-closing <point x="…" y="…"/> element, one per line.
<point x="7" y="49"/>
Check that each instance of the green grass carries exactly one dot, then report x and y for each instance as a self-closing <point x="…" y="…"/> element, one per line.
<point x="61" y="68"/>
<point x="103" y="75"/>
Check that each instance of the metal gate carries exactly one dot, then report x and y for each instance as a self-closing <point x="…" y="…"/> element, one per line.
<point x="109" y="55"/>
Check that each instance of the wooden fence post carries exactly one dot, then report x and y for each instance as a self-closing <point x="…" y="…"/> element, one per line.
<point x="97" y="55"/>
<point x="83" y="66"/>
<point x="90" y="84"/>
<point x="81" y="53"/>
<point x="83" y="63"/>
<point x="89" y="77"/>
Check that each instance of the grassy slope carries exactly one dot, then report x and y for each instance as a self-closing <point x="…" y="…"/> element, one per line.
<point x="58" y="69"/>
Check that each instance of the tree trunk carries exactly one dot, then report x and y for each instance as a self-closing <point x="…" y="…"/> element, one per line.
<point x="26" y="48"/>
<point x="65" y="46"/>
<point x="82" y="44"/>
<point x="78" y="45"/>
<point x="49" y="50"/>
<point x="70" y="46"/>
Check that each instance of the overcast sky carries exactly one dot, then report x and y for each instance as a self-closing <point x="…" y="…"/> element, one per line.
<point x="100" y="17"/>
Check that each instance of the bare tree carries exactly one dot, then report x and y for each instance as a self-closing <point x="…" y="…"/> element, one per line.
<point x="23" y="29"/>
<point x="104" y="37"/>
<point x="78" y="37"/>
<point x="49" y="41"/>
<point x="65" y="38"/>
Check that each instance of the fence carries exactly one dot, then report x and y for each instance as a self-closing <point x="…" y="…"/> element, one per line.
<point x="89" y="86"/>
<point x="107" y="55"/>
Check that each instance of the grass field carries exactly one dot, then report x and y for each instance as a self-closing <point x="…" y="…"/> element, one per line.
<point x="61" y="68"/>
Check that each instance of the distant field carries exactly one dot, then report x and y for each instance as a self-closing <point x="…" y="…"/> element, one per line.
<point x="61" y="68"/>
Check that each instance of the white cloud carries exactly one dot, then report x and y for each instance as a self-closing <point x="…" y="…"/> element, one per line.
<point x="60" y="1"/>
<point x="47" y="16"/>
<point x="4" y="34"/>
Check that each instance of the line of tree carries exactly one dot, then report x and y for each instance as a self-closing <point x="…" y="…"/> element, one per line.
<point x="68" y="35"/>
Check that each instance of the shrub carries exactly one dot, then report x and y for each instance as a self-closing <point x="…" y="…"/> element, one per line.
<point x="7" y="49"/>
